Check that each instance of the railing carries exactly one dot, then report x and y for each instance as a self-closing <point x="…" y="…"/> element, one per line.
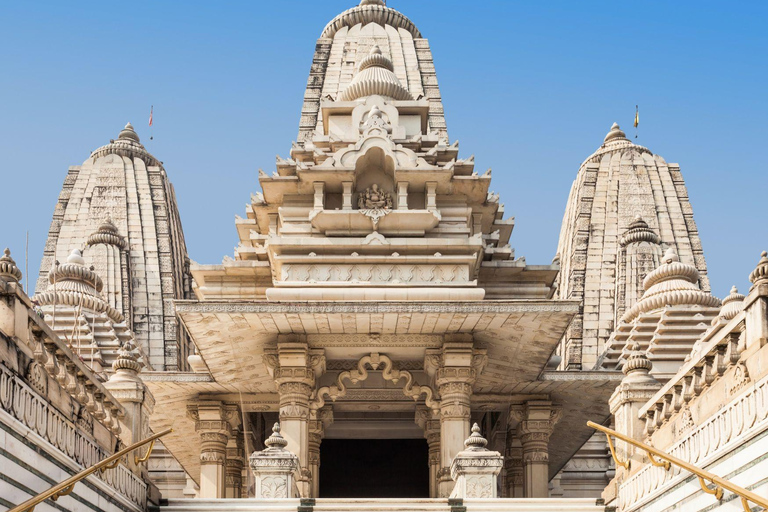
<point x="666" y="462"/>
<point x="68" y="485"/>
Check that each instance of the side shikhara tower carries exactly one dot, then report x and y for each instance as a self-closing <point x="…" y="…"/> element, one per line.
<point x="626" y="207"/>
<point x="119" y="207"/>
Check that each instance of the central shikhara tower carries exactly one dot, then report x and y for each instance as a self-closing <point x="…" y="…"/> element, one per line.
<point x="374" y="291"/>
<point x="374" y="294"/>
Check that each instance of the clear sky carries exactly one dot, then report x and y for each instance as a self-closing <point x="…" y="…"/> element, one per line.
<point x="530" y="88"/>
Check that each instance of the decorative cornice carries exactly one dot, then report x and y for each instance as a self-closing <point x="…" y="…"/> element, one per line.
<point x="522" y="306"/>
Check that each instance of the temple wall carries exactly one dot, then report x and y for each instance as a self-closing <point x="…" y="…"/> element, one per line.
<point x="54" y="424"/>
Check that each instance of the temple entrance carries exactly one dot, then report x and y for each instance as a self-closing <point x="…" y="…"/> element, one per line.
<point x="374" y="468"/>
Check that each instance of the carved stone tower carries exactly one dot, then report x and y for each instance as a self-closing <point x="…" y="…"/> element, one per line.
<point x="120" y="208"/>
<point x="626" y="206"/>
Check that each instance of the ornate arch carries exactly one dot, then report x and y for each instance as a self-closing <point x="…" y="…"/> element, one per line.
<point x="375" y="360"/>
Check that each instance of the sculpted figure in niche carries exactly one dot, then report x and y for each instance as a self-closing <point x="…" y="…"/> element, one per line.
<point x="374" y="199"/>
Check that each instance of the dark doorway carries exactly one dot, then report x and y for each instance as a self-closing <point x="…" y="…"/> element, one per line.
<point x="374" y="468"/>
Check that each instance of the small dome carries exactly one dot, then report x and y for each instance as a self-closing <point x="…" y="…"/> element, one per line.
<point x="673" y="283"/>
<point x="732" y="304"/>
<point x="375" y="77"/>
<point x="639" y="231"/>
<point x="108" y="234"/>
<point x="8" y="270"/>
<point x="760" y="274"/>
<point x="382" y="3"/>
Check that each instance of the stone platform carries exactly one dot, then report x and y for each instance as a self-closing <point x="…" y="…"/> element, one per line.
<point x="385" y="505"/>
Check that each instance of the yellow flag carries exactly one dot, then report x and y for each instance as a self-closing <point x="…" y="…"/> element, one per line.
<point x="637" y="116"/>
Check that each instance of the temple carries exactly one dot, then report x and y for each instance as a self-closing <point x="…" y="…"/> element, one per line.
<point x="374" y="342"/>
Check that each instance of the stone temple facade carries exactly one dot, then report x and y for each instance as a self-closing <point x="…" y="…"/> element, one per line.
<point x="374" y="335"/>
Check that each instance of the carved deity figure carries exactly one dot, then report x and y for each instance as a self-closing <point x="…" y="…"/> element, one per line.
<point x="374" y="199"/>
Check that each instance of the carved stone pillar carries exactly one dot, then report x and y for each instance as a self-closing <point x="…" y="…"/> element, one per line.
<point x="317" y="424"/>
<point x="459" y="365"/>
<point x="234" y="465"/>
<point x="536" y="419"/>
<point x="212" y="425"/>
<point x="295" y="370"/>
<point x="430" y="422"/>
<point x="513" y="465"/>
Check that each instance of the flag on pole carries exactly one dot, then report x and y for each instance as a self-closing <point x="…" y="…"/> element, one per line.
<point x="637" y="116"/>
<point x="152" y="108"/>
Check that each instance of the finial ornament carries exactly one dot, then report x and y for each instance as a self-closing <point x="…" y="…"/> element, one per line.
<point x="475" y="442"/>
<point x="127" y="358"/>
<point x="8" y="270"/>
<point x="638" y="361"/>
<point x="760" y="274"/>
<point x="732" y="305"/>
<point x="128" y="133"/>
<point x="276" y="440"/>
<point x="671" y="256"/>
<point x="615" y="133"/>
<point x="383" y="3"/>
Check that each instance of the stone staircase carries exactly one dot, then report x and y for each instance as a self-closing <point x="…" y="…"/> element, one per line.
<point x="383" y="505"/>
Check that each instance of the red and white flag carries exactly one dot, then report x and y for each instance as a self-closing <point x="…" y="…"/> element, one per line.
<point x="151" y="109"/>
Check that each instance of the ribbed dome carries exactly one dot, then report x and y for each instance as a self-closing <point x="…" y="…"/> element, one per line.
<point x="8" y="269"/>
<point x="370" y="11"/>
<point x="375" y="77"/>
<point x="108" y="234"/>
<point x="127" y="144"/>
<point x="74" y="284"/>
<point x="639" y="232"/>
<point x="616" y="140"/>
<point x="673" y="283"/>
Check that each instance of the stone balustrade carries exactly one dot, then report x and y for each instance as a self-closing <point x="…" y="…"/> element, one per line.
<point x="717" y="352"/>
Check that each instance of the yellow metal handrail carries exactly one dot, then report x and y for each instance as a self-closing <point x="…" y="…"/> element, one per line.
<point x="66" y="487"/>
<point x="667" y="459"/>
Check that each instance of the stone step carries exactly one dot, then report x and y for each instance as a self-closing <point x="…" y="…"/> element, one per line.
<point x="384" y="505"/>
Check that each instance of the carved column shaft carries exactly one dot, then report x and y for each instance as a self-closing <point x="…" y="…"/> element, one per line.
<point x="537" y="419"/>
<point x="234" y="465"/>
<point x="430" y="422"/>
<point x="295" y="378"/>
<point x="513" y="465"/>
<point x="212" y="425"/>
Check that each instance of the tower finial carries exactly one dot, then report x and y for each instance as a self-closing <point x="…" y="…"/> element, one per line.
<point x="383" y="3"/>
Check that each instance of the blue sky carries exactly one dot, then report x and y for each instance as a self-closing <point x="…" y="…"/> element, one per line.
<point x="530" y="88"/>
